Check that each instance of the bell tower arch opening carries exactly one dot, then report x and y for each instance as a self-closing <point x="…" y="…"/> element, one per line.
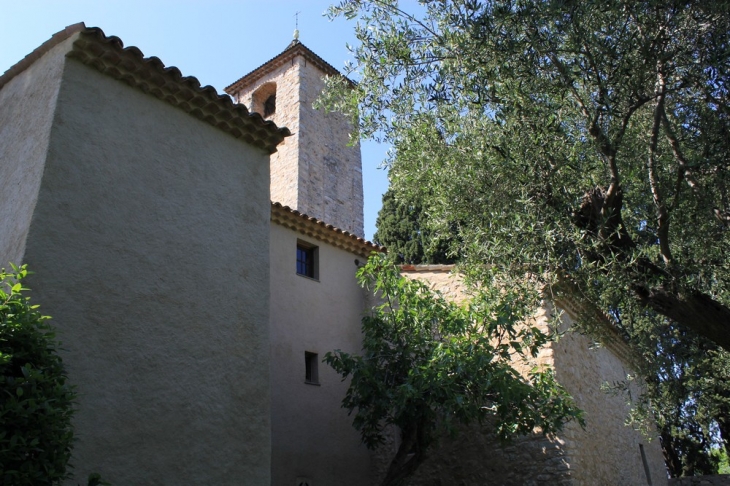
<point x="263" y="100"/>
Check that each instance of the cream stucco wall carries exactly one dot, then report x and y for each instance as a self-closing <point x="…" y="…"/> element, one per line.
<point x="27" y="106"/>
<point x="149" y="241"/>
<point x="312" y="435"/>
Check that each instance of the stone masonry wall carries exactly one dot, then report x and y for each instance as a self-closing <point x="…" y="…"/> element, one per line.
<point x="606" y="449"/>
<point x="284" y="163"/>
<point x="605" y="452"/>
<point x="331" y="170"/>
<point x="475" y="456"/>
<point x="440" y="278"/>
<point x="314" y="170"/>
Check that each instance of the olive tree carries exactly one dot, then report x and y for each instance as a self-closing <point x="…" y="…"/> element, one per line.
<point x="586" y="144"/>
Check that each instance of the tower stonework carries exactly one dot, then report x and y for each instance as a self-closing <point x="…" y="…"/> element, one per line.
<point x="314" y="171"/>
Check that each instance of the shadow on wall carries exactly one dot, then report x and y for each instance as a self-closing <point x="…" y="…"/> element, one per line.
<point x="477" y="458"/>
<point x="717" y="480"/>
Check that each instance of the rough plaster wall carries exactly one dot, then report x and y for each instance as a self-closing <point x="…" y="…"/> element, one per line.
<point x="285" y="162"/>
<point x="312" y="436"/>
<point x="331" y="177"/>
<point x="150" y="243"/>
<point x="606" y="449"/>
<point x="27" y="105"/>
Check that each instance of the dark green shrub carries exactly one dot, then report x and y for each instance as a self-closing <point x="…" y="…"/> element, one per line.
<point x="36" y="402"/>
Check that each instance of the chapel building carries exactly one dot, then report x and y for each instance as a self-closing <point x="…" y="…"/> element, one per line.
<point x="199" y="260"/>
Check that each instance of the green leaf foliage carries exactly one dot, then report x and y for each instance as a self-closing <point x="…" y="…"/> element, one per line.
<point x="586" y="144"/>
<point x="588" y="139"/>
<point x="686" y="394"/>
<point x="403" y="227"/>
<point x="722" y="460"/>
<point x="36" y="402"/>
<point x="428" y="365"/>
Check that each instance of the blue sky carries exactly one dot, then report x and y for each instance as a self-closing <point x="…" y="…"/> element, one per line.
<point x="217" y="41"/>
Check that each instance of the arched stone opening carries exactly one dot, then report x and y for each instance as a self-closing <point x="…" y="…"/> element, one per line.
<point x="264" y="100"/>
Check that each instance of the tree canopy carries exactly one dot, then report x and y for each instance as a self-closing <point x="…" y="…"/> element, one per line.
<point x="686" y="395"/>
<point x="586" y="144"/>
<point x="428" y="365"/>
<point x="402" y="226"/>
<point x="582" y="140"/>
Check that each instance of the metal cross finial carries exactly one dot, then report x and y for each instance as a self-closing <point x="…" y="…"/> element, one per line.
<point x="296" y="25"/>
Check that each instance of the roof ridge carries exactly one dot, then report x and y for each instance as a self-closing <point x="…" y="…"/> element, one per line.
<point x="279" y="59"/>
<point x="39" y="51"/>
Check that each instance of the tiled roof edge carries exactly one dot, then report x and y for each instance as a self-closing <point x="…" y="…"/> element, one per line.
<point x="315" y="228"/>
<point x="39" y="51"/>
<point x="109" y="56"/>
<point x="294" y="49"/>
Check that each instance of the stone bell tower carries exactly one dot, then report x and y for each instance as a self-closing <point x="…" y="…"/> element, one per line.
<point x="314" y="171"/>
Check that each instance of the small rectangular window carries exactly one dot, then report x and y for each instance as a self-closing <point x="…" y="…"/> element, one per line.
<point x="311" y="371"/>
<point x="307" y="260"/>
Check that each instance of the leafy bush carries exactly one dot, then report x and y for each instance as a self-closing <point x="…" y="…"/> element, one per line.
<point x="428" y="365"/>
<point x="721" y="457"/>
<point x="36" y="403"/>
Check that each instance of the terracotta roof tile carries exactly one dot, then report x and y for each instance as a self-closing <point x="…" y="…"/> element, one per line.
<point x="109" y="56"/>
<point x="307" y="225"/>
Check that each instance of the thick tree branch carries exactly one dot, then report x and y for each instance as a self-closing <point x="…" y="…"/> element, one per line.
<point x="409" y="456"/>
<point x="661" y="208"/>
<point x="692" y="309"/>
<point x="678" y="155"/>
<point x="599" y="216"/>
<point x="695" y="310"/>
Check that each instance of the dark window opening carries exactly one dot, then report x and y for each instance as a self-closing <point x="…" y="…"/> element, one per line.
<point x="263" y="100"/>
<point x="270" y="106"/>
<point x="306" y="260"/>
<point x="311" y="371"/>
